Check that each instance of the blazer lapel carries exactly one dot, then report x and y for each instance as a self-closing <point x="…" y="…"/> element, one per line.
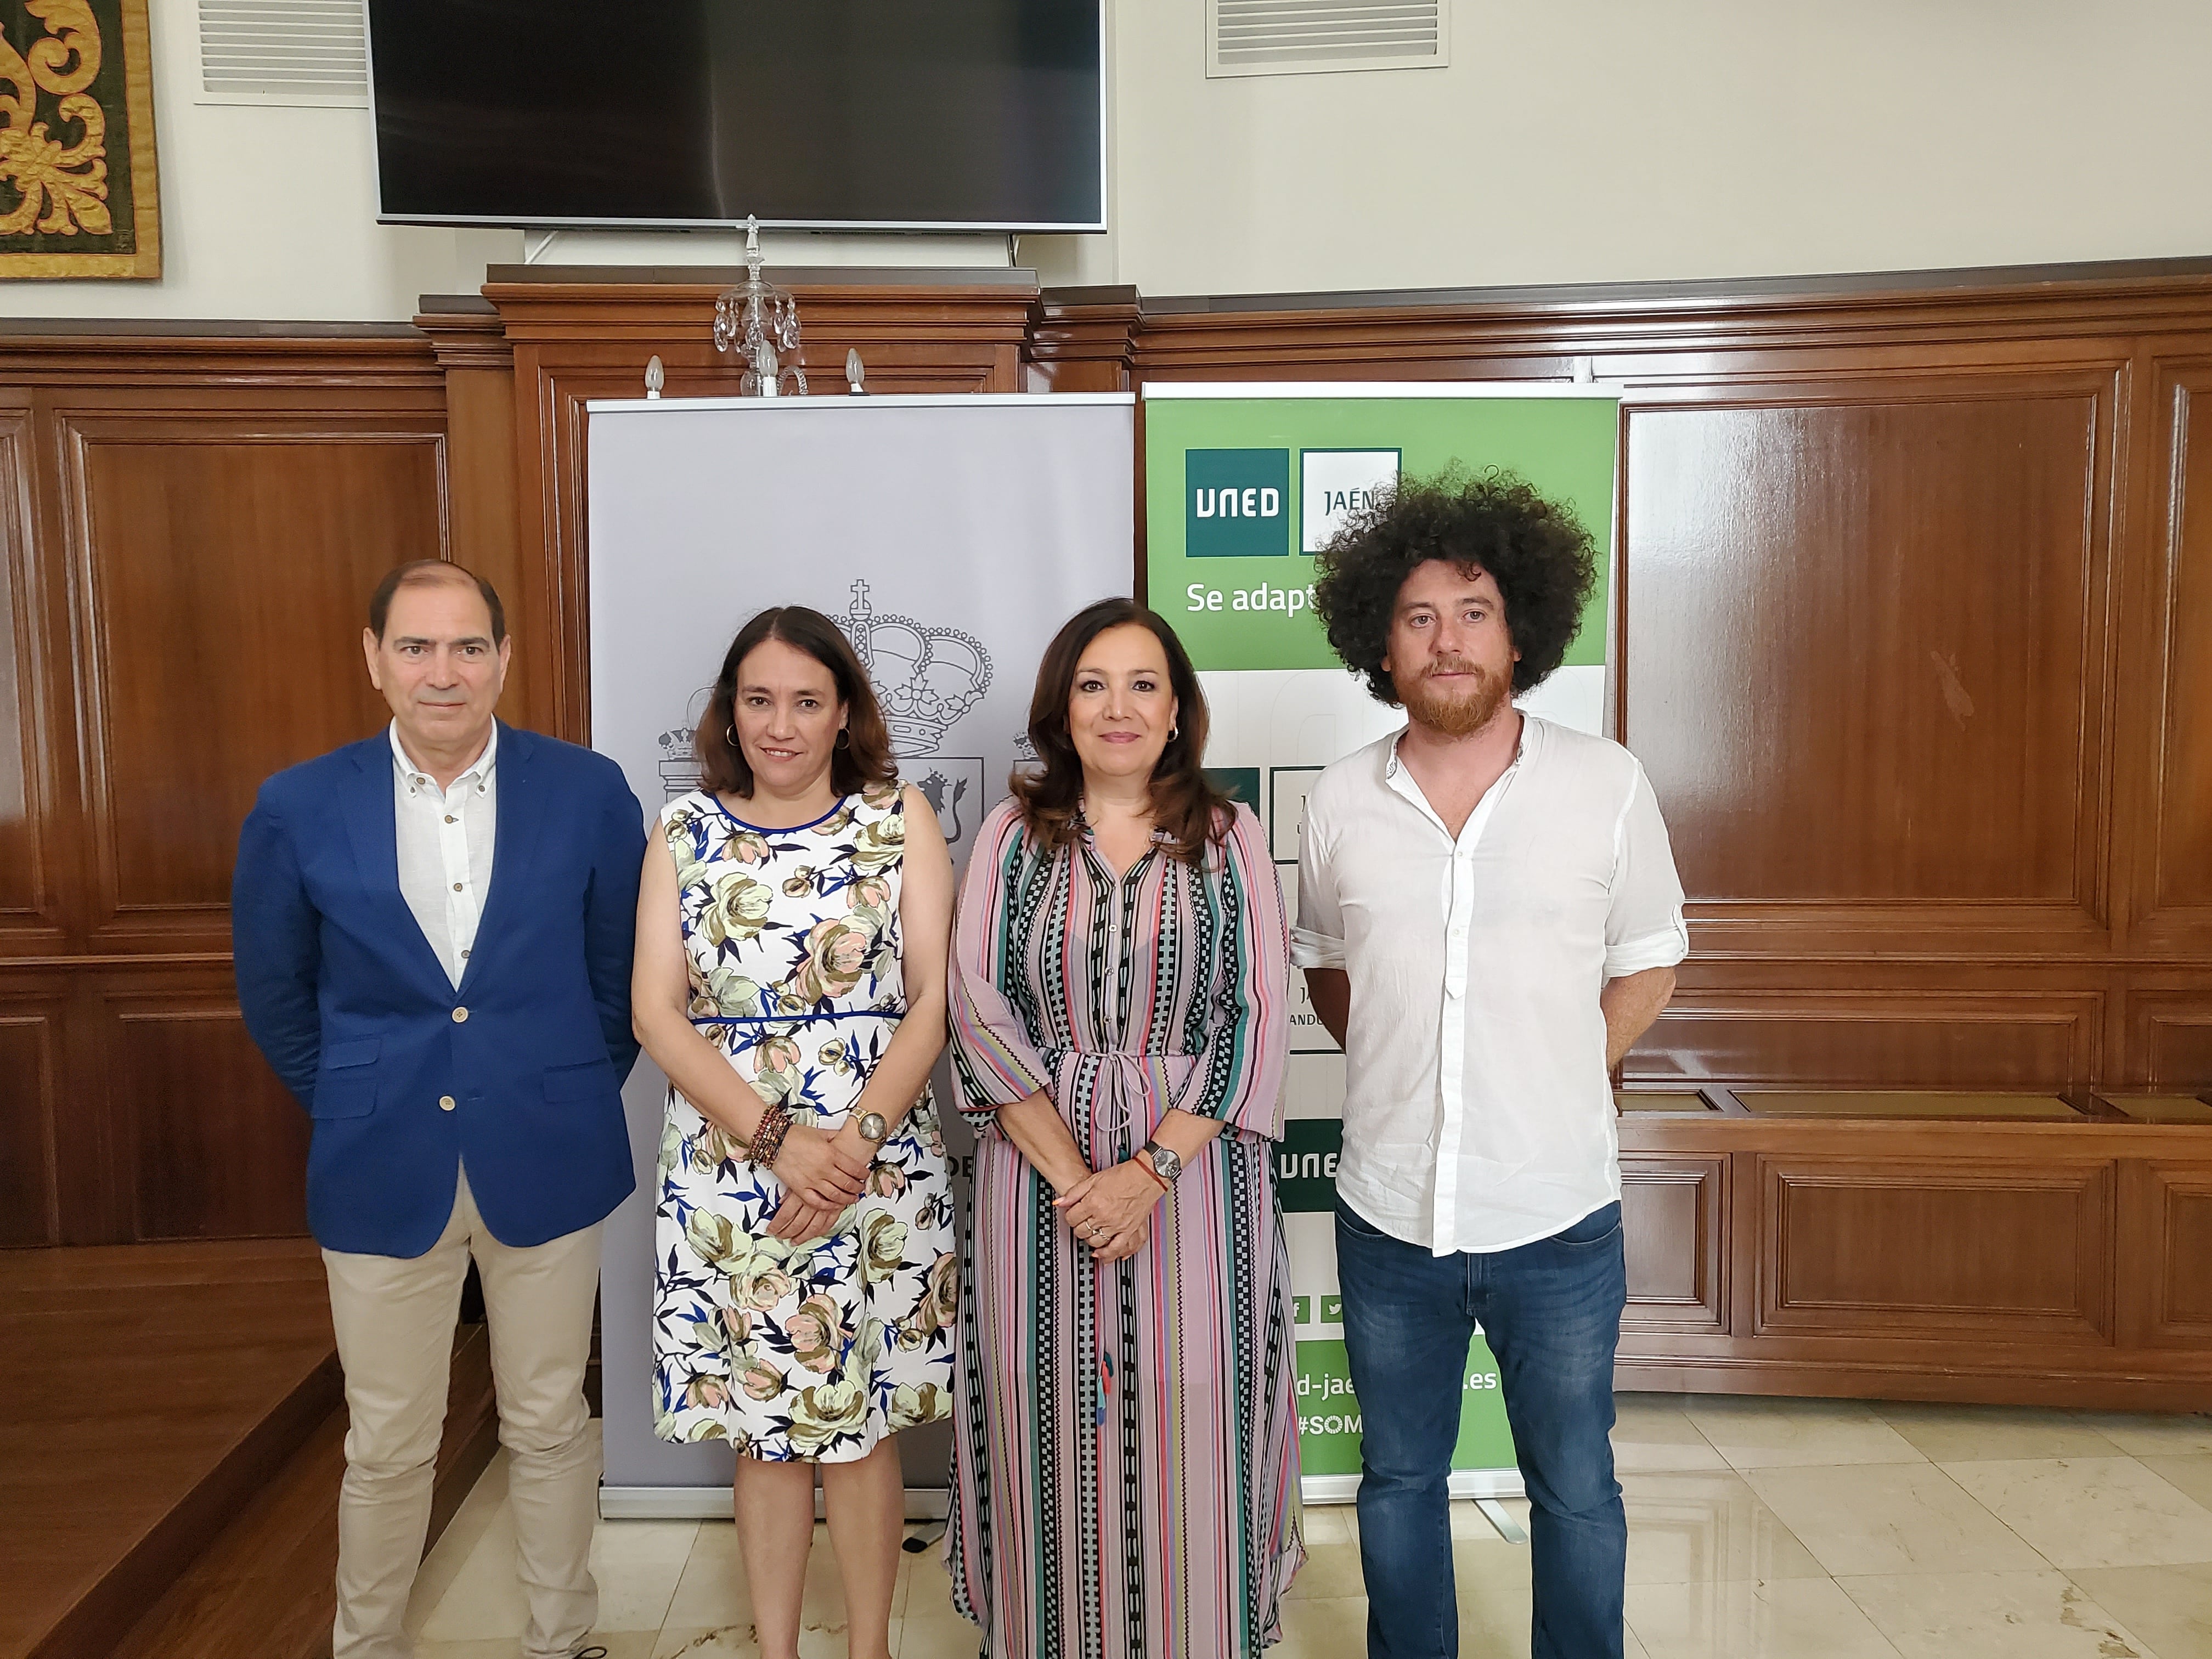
<point x="371" y="825"/>
<point x="514" y="841"/>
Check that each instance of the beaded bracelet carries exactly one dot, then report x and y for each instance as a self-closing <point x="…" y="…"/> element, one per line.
<point x="767" y="1136"/>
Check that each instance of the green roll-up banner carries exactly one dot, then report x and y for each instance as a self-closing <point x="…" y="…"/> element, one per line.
<point x="1242" y="484"/>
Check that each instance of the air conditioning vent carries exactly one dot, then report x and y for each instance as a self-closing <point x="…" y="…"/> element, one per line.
<point x="1296" y="37"/>
<point x="283" y="52"/>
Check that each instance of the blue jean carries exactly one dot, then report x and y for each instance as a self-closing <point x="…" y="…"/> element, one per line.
<point x="1552" y="1312"/>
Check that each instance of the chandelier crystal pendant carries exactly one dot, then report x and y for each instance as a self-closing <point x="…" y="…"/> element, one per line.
<point x="761" y="322"/>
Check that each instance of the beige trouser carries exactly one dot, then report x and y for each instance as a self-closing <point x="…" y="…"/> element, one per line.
<point x="395" y="1318"/>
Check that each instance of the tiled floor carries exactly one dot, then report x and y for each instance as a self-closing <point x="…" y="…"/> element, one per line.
<point x="1810" y="1529"/>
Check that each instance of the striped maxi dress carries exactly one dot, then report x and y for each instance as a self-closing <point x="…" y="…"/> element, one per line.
<point x="1126" y="1463"/>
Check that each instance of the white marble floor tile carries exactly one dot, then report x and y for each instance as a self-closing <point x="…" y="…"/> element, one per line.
<point x="637" y="1565"/>
<point x="485" y="1502"/>
<point x="1876" y="1518"/>
<point x="1992" y="1615"/>
<point x="2191" y="1476"/>
<point x="1327" y="1628"/>
<point x="711" y="1592"/>
<point x="1495" y="1598"/>
<point x="740" y="1641"/>
<point x="1331" y="1570"/>
<point x="1330" y="1523"/>
<point x="935" y="1636"/>
<point x="929" y="1590"/>
<point x="2169" y="1608"/>
<point x="1796" y="1617"/>
<point x="1755" y="1432"/>
<point x="715" y="1642"/>
<point x="2091" y="1511"/>
<point x="1651" y="1434"/>
<point x="619" y="1644"/>
<point x="1958" y="1434"/>
<point x="1467" y="1520"/>
<point x="2158" y="1433"/>
<point x="711" y="1642"/>
<point x="1709" y="1527"/>
<point x="485" y="1601"/>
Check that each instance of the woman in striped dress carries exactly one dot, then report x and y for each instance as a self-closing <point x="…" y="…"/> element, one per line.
<point x="1126" y="1465"/>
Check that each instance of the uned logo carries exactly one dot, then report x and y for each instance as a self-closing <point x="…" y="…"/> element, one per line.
<point x="1338" y="484"/>
<point x="1237" y="503"/>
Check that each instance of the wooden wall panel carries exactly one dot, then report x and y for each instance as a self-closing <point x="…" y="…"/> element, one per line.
<point x="25" y="882"/>
<point x="2170" y="1036"/>
<point x="2183" y="1209"/>
<point x="30" y="1083"/>
<point x="1863" y="639"/>
<point x="248" y="549"/>
<point x="190" y="521"/>
<point x="1875" y="1040"/>
<point x="1674" y="1214"/>
<point x="2181" y="851"/>
<point x="201" y="1163"/>
<point x="1975" y="1250"/>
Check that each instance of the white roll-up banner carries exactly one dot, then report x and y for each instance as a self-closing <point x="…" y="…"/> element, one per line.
<point x="949" y="537"/>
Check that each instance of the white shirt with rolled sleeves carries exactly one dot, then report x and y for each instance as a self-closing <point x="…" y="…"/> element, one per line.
<point x="1478" y="1110"/>
<point x="445" y="839"/>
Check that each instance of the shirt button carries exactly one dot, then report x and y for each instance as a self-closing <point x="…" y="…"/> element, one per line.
<point x="445" y="1103"/>
<point x="460" y="1015"/>
<point x="464" y="956"/>
<point x="449" y="818"/>
<point x="457" y="887"/>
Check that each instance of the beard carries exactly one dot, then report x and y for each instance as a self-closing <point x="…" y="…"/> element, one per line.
<point x="1452" y="714"/>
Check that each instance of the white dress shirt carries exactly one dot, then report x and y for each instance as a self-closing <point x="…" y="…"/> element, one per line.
<point x="1477" y="1112"/>
<point x="445" y="839"/>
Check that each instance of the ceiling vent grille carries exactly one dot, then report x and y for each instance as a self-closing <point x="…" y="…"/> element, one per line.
<point x="1299" y="37"/>
<point x="283" y="52"/>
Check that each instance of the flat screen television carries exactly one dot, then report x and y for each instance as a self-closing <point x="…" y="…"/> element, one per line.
<point x="813" y="115"/>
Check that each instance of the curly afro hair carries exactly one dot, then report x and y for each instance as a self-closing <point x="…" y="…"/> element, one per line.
<point x="1544" y="562"/>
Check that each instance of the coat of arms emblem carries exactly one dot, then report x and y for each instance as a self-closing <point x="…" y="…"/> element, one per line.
<point x="926" y="679"/>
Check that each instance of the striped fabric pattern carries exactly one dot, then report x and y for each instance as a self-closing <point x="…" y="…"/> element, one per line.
<point x="1126" y="1466"/>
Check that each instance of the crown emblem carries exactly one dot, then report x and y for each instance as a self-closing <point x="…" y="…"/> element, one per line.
<point x="926" y="677"/>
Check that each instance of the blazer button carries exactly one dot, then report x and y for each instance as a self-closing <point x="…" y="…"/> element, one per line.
<point x="445" y="1103"/>
<point x="460" y="1015"/>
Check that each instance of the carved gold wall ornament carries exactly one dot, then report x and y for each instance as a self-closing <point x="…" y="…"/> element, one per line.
<point x="77" y="187"/>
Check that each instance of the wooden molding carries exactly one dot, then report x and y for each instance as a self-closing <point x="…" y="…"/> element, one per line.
<point x="578" y="340"/>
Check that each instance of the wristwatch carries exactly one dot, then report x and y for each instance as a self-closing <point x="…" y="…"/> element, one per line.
<point x="1167" y="1164"/>
<point x="872" y="1127"/>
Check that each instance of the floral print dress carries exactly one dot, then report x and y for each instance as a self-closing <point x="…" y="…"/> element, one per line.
<point x="816" y="1349"/>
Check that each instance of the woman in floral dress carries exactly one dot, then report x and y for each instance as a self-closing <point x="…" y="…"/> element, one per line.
<point x="790" y="980"/>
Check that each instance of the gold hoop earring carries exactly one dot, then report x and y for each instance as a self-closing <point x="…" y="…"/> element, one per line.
<point x="1174" y="731"/>
<point x="730" y="731"/>
<point x="844" y="739"/>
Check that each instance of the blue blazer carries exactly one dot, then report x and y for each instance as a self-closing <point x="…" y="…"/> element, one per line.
<point x="355" y="1014"/>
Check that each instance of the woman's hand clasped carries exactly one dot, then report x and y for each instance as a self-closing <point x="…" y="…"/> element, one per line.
<point x="819" y="1184"/>
<point x="1111" y="1211"/>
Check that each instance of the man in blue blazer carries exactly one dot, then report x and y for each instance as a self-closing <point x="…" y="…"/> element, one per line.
<point x="433" y="930"/>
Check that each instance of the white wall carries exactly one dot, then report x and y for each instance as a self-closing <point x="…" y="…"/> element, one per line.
<point x="1598" y="140"/>
<point x="1569" y="141"/>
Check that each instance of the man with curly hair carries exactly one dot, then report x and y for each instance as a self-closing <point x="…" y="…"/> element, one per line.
<point x="1488" y="917"/>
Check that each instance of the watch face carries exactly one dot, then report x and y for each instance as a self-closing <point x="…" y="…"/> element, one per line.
<point x="872" y="1127"/>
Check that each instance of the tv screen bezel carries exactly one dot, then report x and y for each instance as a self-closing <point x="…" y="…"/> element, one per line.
<point x="994" y="227"/>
